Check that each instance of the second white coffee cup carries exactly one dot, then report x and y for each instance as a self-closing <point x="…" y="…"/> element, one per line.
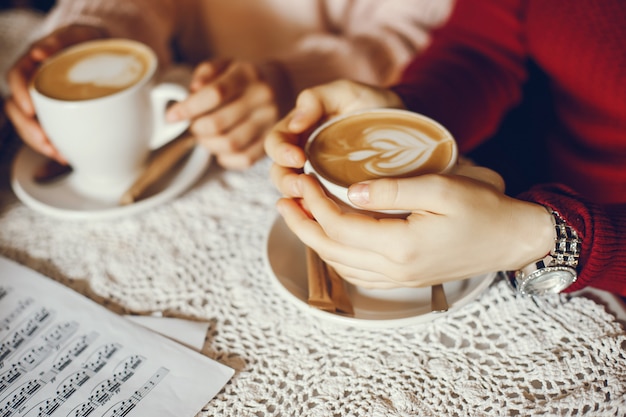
<point x="374" y="144"/>
<point x="100" y="107"/>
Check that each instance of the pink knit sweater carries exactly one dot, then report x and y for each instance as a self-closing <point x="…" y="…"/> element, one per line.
<point x="316" y="41"/>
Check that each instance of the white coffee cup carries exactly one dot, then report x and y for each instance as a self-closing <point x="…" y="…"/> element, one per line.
<point x="374" y="144"/>
<point x="99" y="105"/>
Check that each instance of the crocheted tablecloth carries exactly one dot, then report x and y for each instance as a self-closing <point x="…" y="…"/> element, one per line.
<point x="201" y="256"/>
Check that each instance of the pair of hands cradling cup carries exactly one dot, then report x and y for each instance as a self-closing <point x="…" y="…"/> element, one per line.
<point x="459" y="223"/>
<point x="231" y="105"/>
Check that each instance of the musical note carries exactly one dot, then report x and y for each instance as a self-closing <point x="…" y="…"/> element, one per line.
<point x="49" y="407"/>
<point x="12" y="403"/>
<point x="24" y="333"/>
<point x="83" y="410"/>
<point x="5" y="351"/>
<point x="5" y="324"/>
<point x="62" y="356"/>
<point x="100" y="358"/>
<point x="28" y="331"/>
<point x="61" y="332"/>
<point x="127" y="367"/>
<point x="79" y="378"/>
<point x="124" y="407"/>
<point x="34" y="357"/>
<point x="83" y="343"/>
<point x="9" y="377"/>
<point x="102" y="393"/>
<point x="65" y="358"/>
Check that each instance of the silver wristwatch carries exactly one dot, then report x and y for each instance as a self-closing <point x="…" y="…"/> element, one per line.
<point x="555" y="272"/>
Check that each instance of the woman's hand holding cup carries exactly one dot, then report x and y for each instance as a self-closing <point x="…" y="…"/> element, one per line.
<point x="19" y="106"/>
<point x="101" y="108"/>
<point x="433" y="242"/>
<point x="436" y="243"/>
<point x="285" y="142"/>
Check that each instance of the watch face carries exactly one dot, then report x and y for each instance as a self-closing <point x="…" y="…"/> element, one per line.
<point x="549" y="280"/>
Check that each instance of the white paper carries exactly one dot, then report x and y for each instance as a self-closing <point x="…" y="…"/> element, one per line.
<point x="190" y="333"/>
<point x="62" y="354"/>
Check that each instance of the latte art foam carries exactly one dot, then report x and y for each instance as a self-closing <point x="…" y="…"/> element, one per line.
<point x="107" y="70"/>
<point x="94" y="69"/>
<point x="393" y="151"/>
<point x="377" y="145"/>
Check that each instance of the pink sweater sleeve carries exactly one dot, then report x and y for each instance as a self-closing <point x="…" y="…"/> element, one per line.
<point x="148" y="21"/>
<point x="366" y="40"/>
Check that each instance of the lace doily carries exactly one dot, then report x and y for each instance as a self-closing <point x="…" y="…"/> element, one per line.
<point x="201" y="257"/>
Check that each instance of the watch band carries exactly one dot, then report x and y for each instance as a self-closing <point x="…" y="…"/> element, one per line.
<point x="557" y="270"/>
<point x="567" y="245"/>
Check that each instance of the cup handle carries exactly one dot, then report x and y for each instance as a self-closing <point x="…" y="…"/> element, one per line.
<point x="162" y="95"/>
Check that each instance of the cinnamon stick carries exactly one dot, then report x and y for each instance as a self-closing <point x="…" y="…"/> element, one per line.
<point x="338" y="292"/>
<point x="438" y="300"/>
<point x="327" y="290"/>
<point x="163" y="160"/>
<point x="319" y="291"/>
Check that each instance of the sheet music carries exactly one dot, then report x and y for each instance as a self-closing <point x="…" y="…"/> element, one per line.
<point x="63" y="355"/>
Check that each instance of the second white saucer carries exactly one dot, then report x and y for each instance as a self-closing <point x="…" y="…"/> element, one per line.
<point x="286" y="264"/>
<point x="59" y="199"/>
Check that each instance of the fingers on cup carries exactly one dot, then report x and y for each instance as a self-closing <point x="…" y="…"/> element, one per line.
<point x="120" y="139"/>
<point x="286" y="181"/>
<point x="31" y="133"/>
<point x="282" y="146"/>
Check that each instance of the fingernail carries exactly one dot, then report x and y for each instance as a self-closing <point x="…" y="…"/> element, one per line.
<point x="296" y="187"/>
<point x="61" y="159"/>
<point x="27" y="107"/>
<point x="296" y="120"/>
<point x="294" y="159"/>
<point x="49" y="151"/>
<point x="359" y="194"/>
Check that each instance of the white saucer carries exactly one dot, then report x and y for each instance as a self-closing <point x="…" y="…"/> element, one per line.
<point x="286" y="262"/>
<point x="60" y="200"/>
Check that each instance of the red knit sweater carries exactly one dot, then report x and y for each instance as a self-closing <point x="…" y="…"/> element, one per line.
<point x="473" y="74"/>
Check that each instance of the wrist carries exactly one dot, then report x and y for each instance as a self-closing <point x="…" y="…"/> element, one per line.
<point x="535" y="235"/>
<point x="554" y="272"/>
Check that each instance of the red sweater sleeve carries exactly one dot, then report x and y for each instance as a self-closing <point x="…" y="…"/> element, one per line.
<point x="601" y="229"/>
<point x="473" y="71"/>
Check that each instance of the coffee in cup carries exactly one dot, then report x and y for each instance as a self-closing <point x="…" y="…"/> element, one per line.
<point x="97" y="71"/>
<point x="374" y="144"/>
<point x="98" y="104"/>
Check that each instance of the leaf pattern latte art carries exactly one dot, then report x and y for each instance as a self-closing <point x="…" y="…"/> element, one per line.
<point x="398" y="150"/>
